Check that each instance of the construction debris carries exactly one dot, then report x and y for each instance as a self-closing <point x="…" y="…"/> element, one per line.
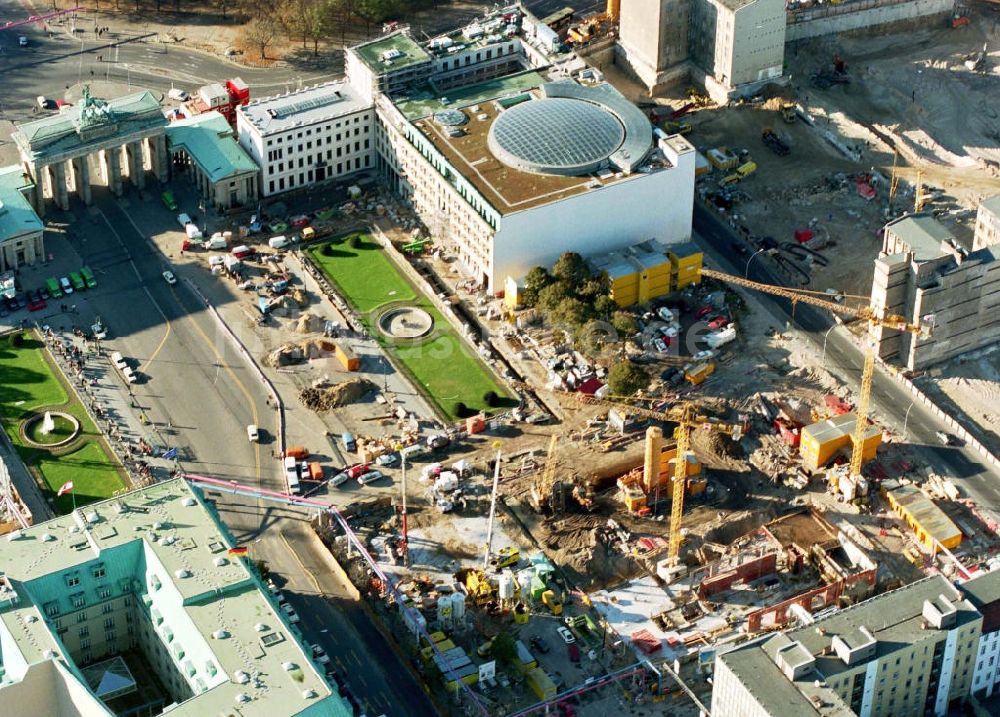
<point x="350" y="391"/>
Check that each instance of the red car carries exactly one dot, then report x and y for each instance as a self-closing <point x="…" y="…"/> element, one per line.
<point x="719" y="322"/>
<point x="299" y="221"/>
<point x="358" y="470"/>
<point x="702" y="312"/>
<point x="35" y="300"/>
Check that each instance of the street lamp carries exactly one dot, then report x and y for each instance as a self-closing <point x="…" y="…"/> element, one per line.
<point x="746" y="272"/>
<point x="825" y="336"/>
<point x="906" y="418"/>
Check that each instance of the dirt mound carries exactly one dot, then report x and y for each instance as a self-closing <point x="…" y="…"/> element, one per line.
<point x="284" y="355"/>
<point x="324" y="399"/>
<point x="308" y="324"/>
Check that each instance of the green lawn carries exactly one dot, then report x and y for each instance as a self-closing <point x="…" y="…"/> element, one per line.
<point x="28" y="384"/>
<point x="448" y="372"/>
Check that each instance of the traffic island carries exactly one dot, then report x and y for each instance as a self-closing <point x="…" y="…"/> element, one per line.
<point x="73" y="450"/>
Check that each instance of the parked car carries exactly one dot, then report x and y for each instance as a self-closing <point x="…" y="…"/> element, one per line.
<point x="388" y="459"/>
<point x="659" y="344"/>
<point x="319" y="654"/>
<point x="293" y="617"/>
<point x="178" y="94"/>
<point x="183" y="219"/>
<point x="370" y="477"/>
<point x="35" y="300"/>
<point x="704" y="355"/>
<point x="702" y="312"/>
<point x="22" y="40"/>
<point x="566" y="635"/>
<point x="539" y="644"/>
<point x="168" y="276"/>
<point x="167" y="197"/>
<point x="946" y="438"/>
<point x="64" y="284"/>
<point x="299" y="221"/>
<point x="719" y="322"/>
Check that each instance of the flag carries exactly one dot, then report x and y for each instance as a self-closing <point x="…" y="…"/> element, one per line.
<point x="171" y="453"/>
<point x="239" y="551"/>
<point x="67" y="487"/>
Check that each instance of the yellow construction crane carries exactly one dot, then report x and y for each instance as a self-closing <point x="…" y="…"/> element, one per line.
<point x="687" y="418"/>
<point x="542" y="490"/>
<point x="874" y="317"/>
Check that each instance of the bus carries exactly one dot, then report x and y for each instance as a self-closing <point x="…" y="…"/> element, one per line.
<point x="52" y="286"/>
<point x="88" y="277"/>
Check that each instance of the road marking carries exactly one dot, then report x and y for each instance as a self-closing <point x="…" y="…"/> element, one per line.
<point x="208" y="343"/>
<point x="145" y="288"/>
<point x="306" y="570"/>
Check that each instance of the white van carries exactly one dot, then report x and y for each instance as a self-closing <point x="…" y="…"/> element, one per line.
<point x="216" y="242"/>
<point x="178" y="94"/>
<point x="279" y="242"/>
<point x="253" y="434"/>
<point x="292" y="475"/>
<point x="119" y="361"/>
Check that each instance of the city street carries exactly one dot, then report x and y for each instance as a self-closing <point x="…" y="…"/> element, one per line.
<point x="330" y="616"/>
<point x="50" y="65"/>
<point x="890" y="401"/>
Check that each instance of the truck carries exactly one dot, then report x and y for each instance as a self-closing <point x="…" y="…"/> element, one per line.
<point x="541" y="684"/>
<point x="773" y="142"/>
<point x="741" y="173"/>
<point x="349" y="360"/>
<point x="698" y="373"/>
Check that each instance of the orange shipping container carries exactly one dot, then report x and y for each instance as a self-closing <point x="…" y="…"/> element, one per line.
<point x="299" y="453"/>
<point x="348" y="359"/>
<point x="315" y="471"/>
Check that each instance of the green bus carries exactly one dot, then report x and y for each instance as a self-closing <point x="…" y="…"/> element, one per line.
<point x="77" y="281"/>
<point x="52" y="286"/>
<point x="88" y="277"/>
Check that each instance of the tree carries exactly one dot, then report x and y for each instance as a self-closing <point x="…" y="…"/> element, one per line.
<point x="504" y="649"/>
<point x="604" y="306"/>
<point x="624" y="323"/>
<point x="572" y="269"/>
<point x="536" y="280"/>
<point x="570" y="312"/>
<point x="592" y="336"/>
<point x="259" y="33"/>
<point x="550" y="297"/>
<point x="626" y="378"/>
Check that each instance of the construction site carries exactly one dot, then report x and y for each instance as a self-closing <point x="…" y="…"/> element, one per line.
<point x="661" y="528"/>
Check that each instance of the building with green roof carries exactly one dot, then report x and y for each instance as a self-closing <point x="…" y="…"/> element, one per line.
<point x="20" y="227"/>
<point x="206" y="144"/>
<point x="120" y="137"/>
<point x="136" y="605"/>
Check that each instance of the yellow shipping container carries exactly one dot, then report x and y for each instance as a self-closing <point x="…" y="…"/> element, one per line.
<point x="928" y="522"/>
<point x="821" y="440"/>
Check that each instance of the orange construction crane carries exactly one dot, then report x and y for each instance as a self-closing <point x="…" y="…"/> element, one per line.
<point x="875" y="318"/>
<point x="685" y="414"/>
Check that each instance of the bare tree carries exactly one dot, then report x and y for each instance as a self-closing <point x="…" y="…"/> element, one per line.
<point x="260" y="32"/>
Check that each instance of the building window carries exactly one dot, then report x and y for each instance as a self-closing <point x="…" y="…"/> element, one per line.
<point x="107" y="608"/>
<point x="78" y="600"/>
<point x="85" y="645"/>
<point x="109" y="622"/>
<point x="81" y="616"/>
<point x="52" y="609"/>
<point x="110" y="635"/>
<point x="72" y="580"/>
<point x="270" y="186"/>
<point x="84" y="631"/>
<point x="99" y="571"/>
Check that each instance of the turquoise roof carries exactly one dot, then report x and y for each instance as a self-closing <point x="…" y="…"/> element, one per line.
<point x="89" y="122"/>
<point x="17" y="217"/>
<point x="211" y="142"/>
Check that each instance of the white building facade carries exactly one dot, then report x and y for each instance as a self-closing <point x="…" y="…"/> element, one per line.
<point x="309" y="136"/>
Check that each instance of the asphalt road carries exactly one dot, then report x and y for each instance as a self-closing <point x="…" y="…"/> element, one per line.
<point x="51" y="64"/>
<point x="329" y="614"/>
<point x="195" y="388"/>
<point x="890" y="401"/>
